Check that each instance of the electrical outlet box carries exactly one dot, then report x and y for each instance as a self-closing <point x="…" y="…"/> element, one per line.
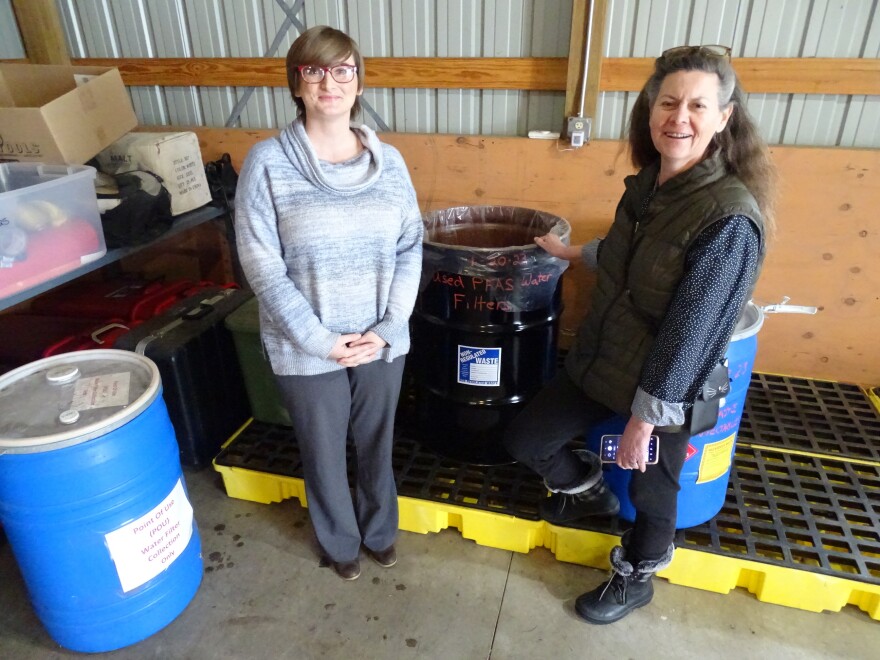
<point x="578" y="131"/>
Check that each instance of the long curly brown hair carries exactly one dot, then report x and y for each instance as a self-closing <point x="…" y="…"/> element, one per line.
<point x="742" y="149"/>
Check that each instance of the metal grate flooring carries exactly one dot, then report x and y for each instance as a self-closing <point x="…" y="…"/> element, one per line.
<point x="810" y="415"/>
<point x="799" y="512"/>
<point x="795" y="497"/>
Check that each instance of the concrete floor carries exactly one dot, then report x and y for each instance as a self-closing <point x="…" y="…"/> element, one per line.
<point x="264" y="596"/>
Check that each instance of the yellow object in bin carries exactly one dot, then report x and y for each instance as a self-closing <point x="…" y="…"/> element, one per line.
<point x="49" y="223"/>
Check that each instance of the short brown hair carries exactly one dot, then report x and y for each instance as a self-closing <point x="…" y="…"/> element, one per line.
<point x="322" y="45"/>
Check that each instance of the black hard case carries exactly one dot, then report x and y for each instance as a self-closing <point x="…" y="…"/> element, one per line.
<point x="201" y="379"/>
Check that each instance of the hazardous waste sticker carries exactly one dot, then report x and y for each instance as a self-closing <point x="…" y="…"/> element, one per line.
<point x="716" y="459"/>
<point x="479" y="366"/>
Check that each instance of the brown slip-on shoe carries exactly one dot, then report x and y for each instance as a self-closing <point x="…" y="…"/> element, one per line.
<point x="385" y="558"/>
<point x="347" y="570"/>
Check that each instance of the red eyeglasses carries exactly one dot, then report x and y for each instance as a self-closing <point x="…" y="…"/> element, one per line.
<point x="341" y="73"/>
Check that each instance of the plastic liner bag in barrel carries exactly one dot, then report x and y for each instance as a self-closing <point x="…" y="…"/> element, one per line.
<point x="92" y="498"/>
<point x="485" y="325"/>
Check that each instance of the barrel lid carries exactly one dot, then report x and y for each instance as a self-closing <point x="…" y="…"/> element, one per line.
<point x="71" y="398"/>
<point x="749" y="322"/>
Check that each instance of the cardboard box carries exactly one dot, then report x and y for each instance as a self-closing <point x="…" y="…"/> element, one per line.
<point x="49" y="223"/>
<point x="175" y="157"/>
<point x="61" y="114"/>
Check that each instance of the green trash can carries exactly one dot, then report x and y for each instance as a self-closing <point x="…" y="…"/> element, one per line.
<point x="259" y="381"/>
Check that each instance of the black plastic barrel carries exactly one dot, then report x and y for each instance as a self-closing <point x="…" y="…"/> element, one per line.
<point x="485" y="325"/>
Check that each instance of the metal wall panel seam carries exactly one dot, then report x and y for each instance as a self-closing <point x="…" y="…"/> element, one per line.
<point x="290" y="21"/>
<point x="370" y="25"/>
<point x="168" y="25"/>
<point x="458" y="34"/>
<point x="75" y="41"/>
<point x="326" y="12"/>
<point x="11" y="45"/>
<point x="208" y="36"/>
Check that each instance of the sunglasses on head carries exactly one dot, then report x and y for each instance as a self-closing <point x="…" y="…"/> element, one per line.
<point x="711" y="50"/>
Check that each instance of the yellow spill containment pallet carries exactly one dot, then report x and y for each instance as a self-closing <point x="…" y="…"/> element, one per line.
<point x="874" y="396"/>
<point x="692" y="568"/>
<point x="799" y="526"/>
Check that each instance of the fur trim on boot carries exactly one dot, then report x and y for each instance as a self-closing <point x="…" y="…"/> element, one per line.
<point x="594" y="476"/>
<point x="628" y="588"/>
<point x="591" y="497"/>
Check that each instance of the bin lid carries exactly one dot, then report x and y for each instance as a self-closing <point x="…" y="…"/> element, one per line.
<point x="749" y="323"/>
<point x="245" y="319"/>
<point x="73" y="397"/>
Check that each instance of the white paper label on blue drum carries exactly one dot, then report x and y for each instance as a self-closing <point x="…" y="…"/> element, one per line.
<point x="146" y="547"/>
<point x="101" y="391"/>
<point x="479" y="366"/>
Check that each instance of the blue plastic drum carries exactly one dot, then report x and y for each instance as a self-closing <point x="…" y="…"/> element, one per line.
<point x="706" y="470"/>
<point x="92" y="498"/>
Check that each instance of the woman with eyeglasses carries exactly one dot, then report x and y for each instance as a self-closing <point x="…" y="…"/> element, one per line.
<point x="329" y="235"/>
<point x="674" y="272"/>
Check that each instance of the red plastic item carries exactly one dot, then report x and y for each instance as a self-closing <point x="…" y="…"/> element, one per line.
<point x="93" y="337"/>
<point x="27" y="337"/>
<point x="50" y="254"/>
<point x="128" y="299"/>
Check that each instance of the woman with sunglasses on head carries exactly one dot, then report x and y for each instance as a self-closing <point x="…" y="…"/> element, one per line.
<point x="329" y="235"/>
<point x="673" y="275"/>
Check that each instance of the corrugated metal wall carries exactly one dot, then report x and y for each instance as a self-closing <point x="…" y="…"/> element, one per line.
<point x="382" y="28"/>
<point x="758" y="28"/>
<point x="474" y="28"/>
<point x="10" y="39"/>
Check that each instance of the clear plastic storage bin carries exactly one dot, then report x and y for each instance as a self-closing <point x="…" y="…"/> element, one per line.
<point x="49" y="223"/>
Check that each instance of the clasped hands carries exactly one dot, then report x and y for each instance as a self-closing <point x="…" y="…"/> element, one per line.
<point x="355" y="349"/>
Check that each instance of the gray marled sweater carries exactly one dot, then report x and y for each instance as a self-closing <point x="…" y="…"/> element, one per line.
<point x="328" y="249"/>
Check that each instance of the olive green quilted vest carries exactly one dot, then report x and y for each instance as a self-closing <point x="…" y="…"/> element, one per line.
<point x="641" y="263"/>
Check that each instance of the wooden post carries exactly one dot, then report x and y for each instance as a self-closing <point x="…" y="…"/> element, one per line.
<point x="575" y="55"/>
<point x="597" y="47"/>
<point x="40" y="27"/>
<point x="580" y="25"/>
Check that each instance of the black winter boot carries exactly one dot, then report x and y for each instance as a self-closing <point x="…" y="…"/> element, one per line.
<point x="629" y="588"/>
<point x="592" y="497"/>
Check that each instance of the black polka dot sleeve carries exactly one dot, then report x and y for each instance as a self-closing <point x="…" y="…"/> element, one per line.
<point x="720" y="267"/>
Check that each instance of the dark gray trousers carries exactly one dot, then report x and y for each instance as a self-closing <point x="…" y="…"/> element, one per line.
<point x="322" y="409"/>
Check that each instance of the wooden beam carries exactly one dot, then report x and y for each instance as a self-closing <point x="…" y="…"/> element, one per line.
<point x="765" y="75"/>
<point x="533" y="73"/>
<point x="41" y="31"/>
<point x="809" y="76"/>
<point x="758" y="75"/>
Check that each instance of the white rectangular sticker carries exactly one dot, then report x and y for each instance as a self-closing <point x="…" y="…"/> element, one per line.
<point x="479" y="366"/>
<point x="146" y="547"/>
<point x="101" y="391"/>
